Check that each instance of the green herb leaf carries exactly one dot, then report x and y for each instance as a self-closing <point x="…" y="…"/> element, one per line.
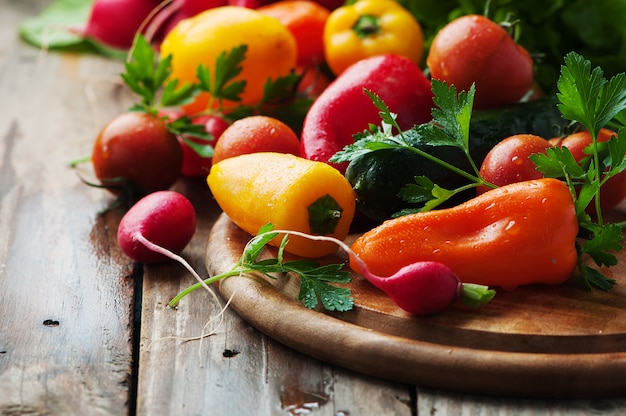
<point x="175" y="95"/>
<point x="258" y="243"/>
<point x="556" y="162"/>
<point x="452" y="117"/>
<point x="419" y="192"/>
<point x="220" y="83"/>
<point x="586" y="96"/>
<point x="279" y="89"/>
<point x="605" y="240"/>
<point x="596" y="279"/>
<point x="315" y="279"/>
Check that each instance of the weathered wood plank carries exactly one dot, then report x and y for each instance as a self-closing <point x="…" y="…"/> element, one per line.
<point x="67" y="293"/>
<point x="432" y="402"/>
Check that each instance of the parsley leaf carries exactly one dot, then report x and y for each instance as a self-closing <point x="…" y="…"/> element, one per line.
<point x="451" y="117"/>
<point x="449" y="127"/>
<point x="586" y="96"/>
<point x="315" y="278"/>
<point x="220" y="83"/>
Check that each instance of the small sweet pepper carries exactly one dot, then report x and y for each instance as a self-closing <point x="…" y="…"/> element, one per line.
<point x="513" y="235"/>
<point x="371" y="27"/>
<point x="288" y="191"/>
<point x="344" y="108"/>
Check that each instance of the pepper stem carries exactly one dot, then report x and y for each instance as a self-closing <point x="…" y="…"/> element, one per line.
<point x="324" y="215"/>
<point x="366" y="25"/>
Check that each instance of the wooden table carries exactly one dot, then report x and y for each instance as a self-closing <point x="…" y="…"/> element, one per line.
<point x="84" y="330"/>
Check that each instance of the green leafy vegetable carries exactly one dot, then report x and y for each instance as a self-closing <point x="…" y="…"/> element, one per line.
<point x="548" y="29"/>
<point x="315" y="279"/>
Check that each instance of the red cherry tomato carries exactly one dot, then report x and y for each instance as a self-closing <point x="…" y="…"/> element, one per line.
<point x="614" y="190"/>
<point x="508" y="161"/>
<point x="254" y="134"/>
<point x="474" y="49"/>
<point x="138" y="148"/>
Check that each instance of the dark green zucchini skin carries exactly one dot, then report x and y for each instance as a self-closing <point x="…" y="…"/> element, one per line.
<point x="540" y="117"/>
<point x="377" y="177"/>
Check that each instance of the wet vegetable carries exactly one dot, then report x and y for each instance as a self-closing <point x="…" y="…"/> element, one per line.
<point x="159" y="222"/>
<point x="344" y="109"/>
<point x="288" y="191"/>
<point x="517" y="234"/>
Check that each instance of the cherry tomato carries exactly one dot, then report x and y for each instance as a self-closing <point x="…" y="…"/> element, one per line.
<point x="474" y="49"/>
<point x="256" y="134"/>
<point x="139" y="148"/>
<point x="508" y="161"/>
<point x="614" y="190"/>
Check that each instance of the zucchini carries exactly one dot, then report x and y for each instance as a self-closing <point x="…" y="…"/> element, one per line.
<point x="378" y="176"/>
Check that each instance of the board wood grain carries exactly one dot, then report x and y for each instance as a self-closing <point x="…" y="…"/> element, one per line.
<point x="535" y="341"/>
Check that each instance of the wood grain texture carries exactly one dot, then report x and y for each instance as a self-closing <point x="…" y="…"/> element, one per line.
<point x="67" y="292"/>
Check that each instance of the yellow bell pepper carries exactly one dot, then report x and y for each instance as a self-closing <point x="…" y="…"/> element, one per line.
<point x="370" y="27"/>
<point x="291" y="192"/>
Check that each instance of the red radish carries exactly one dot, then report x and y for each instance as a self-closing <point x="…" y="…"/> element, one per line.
<point x="156" y="227"/>
<point x="115" y="22"/>
<point x="421" y="288"/>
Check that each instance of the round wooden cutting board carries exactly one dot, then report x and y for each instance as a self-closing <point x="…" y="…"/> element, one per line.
<point x="538" y="341"/>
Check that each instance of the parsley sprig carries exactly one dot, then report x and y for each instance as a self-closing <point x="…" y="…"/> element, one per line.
<point x="585" y="97"/>
<point x="449" y="127"/>
<point x="149" y="76"/>
<point x="315" y="279"/>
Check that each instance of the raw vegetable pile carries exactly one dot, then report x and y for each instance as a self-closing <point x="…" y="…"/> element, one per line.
<point x="467" y="154"/>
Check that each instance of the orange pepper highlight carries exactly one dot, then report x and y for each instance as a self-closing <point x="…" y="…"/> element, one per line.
<point x="518" y="234"/>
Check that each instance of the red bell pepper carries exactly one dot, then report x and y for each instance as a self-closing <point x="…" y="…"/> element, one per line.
<point x="344" y="109"/>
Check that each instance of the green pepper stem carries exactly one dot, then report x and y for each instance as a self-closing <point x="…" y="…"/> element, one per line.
<point x="366" y="25"/>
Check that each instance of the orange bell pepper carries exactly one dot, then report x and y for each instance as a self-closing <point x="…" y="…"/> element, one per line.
<point x="368" y="28"/>
<point x="517" y="234"/>
<point x="288" y="191"/>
